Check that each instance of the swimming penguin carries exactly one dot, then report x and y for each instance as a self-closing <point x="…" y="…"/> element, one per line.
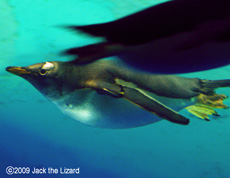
<point x="177" y="36"/>
<point x="94" y="93"/>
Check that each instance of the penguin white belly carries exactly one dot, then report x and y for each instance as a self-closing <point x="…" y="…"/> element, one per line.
<point x="96" y="110"/>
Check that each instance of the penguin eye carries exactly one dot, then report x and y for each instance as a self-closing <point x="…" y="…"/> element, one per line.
<point x="46" y="67"/>
<point x="43" y="71"/>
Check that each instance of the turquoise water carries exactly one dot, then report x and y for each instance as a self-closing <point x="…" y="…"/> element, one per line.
<point x="34" y="133"/>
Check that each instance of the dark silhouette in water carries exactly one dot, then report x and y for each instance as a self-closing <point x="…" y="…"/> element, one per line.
<point x="174" y="37"/>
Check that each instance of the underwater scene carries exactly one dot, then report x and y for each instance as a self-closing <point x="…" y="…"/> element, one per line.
<point x="98" y="130"/>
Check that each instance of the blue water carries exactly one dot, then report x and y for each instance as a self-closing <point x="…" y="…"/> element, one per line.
<point x="34" y="133"/>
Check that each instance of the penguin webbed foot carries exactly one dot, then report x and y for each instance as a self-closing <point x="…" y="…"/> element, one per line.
<point x="214" y="101"/>
<point x="206" y="104"/>
<point x="202" y="111"/>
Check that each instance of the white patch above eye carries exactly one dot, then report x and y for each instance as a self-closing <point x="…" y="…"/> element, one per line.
<point x="48" y="66"/>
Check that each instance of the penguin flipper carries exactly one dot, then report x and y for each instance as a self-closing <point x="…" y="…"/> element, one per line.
<point x="142" y="100"/>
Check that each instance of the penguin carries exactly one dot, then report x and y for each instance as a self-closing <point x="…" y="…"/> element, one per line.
<point x="177" y="36"/>
<point x="107" y="86"/>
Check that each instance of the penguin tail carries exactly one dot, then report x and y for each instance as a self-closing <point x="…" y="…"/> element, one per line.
<point x="90" y="53"/>
<point x="85" y="50"/>
<point x="101" y="30"/>
<point x="208" y="86"/>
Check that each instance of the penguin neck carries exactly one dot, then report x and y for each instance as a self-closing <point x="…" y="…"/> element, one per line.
<point x="71" y="77"/>
<point x="75" y="75"/>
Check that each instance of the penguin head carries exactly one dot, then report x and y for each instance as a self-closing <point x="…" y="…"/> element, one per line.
<point x="47" y="77"/>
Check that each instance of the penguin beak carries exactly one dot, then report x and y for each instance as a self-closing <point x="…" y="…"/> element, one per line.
<point x="18" y="70"/>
